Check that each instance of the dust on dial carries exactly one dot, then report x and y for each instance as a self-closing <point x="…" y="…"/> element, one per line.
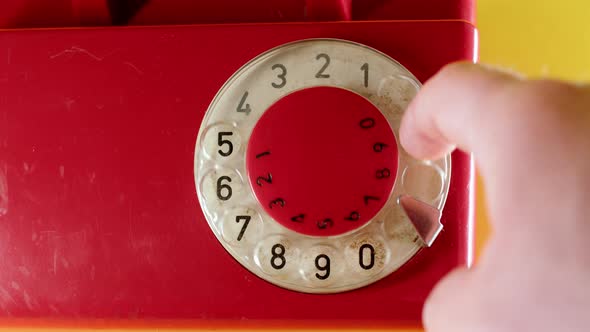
<point x="299" y="172"/>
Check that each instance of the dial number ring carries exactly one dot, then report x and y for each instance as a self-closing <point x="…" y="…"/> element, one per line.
<point x="388" y="238"/>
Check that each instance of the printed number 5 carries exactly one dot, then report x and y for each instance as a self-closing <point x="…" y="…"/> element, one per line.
<point x="221" y="142"/>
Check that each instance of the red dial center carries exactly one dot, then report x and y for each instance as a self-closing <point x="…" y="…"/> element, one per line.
<point x="322" y="161"/>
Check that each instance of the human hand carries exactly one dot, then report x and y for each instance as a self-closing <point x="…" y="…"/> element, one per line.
<point x="531" y="142"/>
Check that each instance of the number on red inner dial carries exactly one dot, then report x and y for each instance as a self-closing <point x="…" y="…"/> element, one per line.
<point x="322" y="161"/>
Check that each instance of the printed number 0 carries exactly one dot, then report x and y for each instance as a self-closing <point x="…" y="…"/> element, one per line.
<point x="280" y="256"/>
<point x="362" y="257"/>
<point x="383" y="173"/>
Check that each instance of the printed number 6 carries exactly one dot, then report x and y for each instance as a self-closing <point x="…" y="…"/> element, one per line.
<point x="224" y="196"/>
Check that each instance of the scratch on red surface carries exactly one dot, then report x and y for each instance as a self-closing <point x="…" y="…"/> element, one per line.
<point x="134" y="67"/>
<point x="3" y="190"/>
<point x="76" y="49"/>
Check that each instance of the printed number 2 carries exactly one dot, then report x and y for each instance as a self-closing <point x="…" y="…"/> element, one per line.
<point x="320" y="74"/>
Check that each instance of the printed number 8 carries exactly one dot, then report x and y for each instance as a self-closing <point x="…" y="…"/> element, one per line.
<point x="280" y="256"/>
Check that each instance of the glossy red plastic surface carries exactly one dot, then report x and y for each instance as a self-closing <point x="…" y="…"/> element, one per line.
<point x="372" y="10"/>
<point x="99" y="215"/>
<point x="219" y="11"/>
<point x="53" y="13"/>
<point x="328" y="10"/>
<point x="226" y="11"/>
<point x="322" y="161"/>
<point x="69" y="13"/>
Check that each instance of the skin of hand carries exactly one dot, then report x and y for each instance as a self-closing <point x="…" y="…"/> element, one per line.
<point x="531" y="143"/>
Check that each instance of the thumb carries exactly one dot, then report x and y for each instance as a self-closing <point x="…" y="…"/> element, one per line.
<point x="448" y="307"/>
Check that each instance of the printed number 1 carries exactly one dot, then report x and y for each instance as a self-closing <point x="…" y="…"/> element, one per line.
<point x="365" y="68"/>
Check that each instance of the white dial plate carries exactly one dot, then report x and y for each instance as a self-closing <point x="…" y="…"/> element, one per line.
<point x="263" y="246"/>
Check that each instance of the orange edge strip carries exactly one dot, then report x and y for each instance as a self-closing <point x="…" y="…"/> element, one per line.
<point x="200" y="324"/>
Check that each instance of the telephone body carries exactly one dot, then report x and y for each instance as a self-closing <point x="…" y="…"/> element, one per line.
<point x="225" y="163"/>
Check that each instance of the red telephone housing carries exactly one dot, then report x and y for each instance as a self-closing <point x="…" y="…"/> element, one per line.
<point x="99" y="219"/>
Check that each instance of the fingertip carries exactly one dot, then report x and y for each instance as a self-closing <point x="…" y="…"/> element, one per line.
<point x="406" y="132"/>
<point x="419" y="135"/>
<point x="418" y="141"/>
<point x="470" y="69"/>
<point x="457" y="107"/>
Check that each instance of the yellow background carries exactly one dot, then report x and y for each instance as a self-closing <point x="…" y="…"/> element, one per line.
<point x="539" y="38"/>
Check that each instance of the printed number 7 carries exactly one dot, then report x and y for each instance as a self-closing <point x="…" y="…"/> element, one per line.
<point x="246" y="220"/>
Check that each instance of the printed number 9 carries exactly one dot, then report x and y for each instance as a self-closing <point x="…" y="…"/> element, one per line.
<point x="323" y="268"/>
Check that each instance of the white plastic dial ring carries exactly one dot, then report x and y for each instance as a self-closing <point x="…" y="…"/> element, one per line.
<point x="367" y="254"/>
<point x="276" y="255"/>
<point x="221" y="141"/>
<point x="309" y="263"/>
<point x="241" y="226"/>
<point x="321" y="265"/>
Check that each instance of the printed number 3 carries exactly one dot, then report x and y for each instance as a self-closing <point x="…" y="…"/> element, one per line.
<point x="282" y="75"/>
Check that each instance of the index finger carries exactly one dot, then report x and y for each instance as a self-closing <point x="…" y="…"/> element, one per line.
<point x="458" y="107"/>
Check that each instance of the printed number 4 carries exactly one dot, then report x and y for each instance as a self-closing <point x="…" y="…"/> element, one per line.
<point x="244" y="107"/>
